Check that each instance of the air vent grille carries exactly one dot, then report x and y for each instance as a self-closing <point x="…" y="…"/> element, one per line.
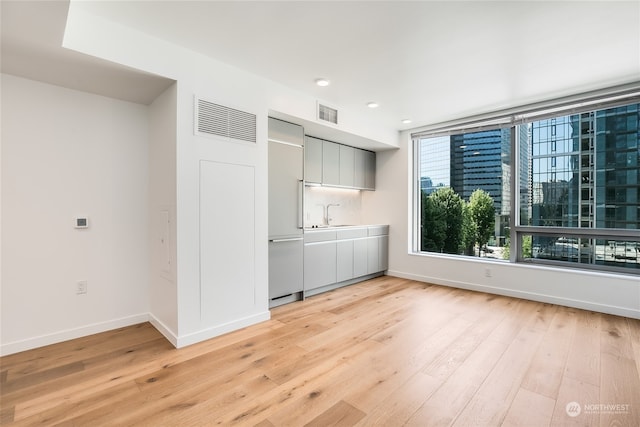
<point x="214" y="119"/>
<point x="327" y="114"/>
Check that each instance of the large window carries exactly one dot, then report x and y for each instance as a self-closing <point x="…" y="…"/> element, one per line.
<point x="465" y="193"/>
<point x="561" y="189"/>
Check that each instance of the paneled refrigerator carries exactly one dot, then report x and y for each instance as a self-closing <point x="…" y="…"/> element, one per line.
<point x="286" y="160"/>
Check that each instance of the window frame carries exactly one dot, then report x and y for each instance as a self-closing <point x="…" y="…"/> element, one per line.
<point x="512" y="118"/>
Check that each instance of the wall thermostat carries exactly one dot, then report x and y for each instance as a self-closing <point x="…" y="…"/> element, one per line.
<point x="81" y="222"/>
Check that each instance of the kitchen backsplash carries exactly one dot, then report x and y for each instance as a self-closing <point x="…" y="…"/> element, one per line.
<point x="317" y="199"/>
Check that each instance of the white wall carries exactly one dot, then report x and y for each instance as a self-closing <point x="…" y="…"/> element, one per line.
<point x="608" y="293"/>
<point x="68" y="153"/>
<point x="163" y="292"/>
<point x="348" y="213"/>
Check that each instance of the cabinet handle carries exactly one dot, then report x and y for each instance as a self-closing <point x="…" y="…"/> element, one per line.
<point x="293" y="239"/>
<point x="300" y="203"/>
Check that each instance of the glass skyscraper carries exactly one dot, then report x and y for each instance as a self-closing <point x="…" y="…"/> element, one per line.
<point x="617" y="176"/>
<point x="584" y="174"/>
<point x="482" y="160"/>
<point x="585" y="170"/>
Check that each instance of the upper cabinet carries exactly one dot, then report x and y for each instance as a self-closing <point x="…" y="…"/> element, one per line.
<point x="289" y="133"/>
<point x="330" y="163"/>
<point x="336" y="165"/>
<point x="313" y="160"/>
<point x="365" y="170"/>
<point x="347" y="166"/>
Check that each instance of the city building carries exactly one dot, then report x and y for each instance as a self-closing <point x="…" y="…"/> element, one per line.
<point x="585" y="174"/>
<point x="585" y="169"/>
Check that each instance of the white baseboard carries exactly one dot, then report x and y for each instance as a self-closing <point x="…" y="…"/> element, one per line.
<point x="205" y="334"/>
<point x="164" y="330"/>
<point x="551" y="299"/>
<point x="69" y="334"/>
<point x="176" y="341"/>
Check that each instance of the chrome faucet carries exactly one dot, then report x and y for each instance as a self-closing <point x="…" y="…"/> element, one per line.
<point x="328" y="217"/>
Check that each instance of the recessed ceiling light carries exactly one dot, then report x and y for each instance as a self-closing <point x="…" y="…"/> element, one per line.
<point x="372" y="104"/>
<point x="322" y="82"/>
<point x="406" y="121"/>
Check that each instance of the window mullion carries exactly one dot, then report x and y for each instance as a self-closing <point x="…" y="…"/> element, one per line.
<point x="514" y="167"/>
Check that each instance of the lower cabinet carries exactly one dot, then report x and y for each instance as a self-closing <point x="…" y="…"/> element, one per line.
<point x="319" y="264"/>
<point x="383" y="253"/>
<point x="332" y="257"/>
<point x="373" y="254"/>
<point x="344" y="260"/>
<point x="360" y="257"/>
<point x="377" y="254"/>
<point x="284" y="277"/>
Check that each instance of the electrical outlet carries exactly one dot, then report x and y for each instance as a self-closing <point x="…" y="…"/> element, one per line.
<point x="487" y="272"/>
<point x="81" y="287"/>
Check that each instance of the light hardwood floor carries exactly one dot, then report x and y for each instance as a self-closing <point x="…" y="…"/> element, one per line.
<point x="387" y="352"/>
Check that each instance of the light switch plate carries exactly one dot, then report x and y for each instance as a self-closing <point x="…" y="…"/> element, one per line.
<point x="81" y="222"/>
<point x="81" y="287"/>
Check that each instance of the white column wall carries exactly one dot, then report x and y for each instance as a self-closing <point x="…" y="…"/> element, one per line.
<point x="163" y="290"/>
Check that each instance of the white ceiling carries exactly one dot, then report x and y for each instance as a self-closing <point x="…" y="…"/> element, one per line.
<point x="31" y="47"/>
<point x="423" y="60"/>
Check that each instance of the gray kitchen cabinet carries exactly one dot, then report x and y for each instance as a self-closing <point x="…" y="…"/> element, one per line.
<point x="321" y="235"/>
<point x="344" y="260"/>
<point x="359" y="169"/>
<point x="285" y="132"/>
<point x="336" y="257"/>
<point x="285" y="189"/>
<point x="286" y="159"/>
<point x="284" y="277"/>
<point x="313" y="160"/>
<point x="330" y="163"/>
<point x="378" y="248"/>
<point x="352" y="258"/>
<point x="347" y="166"/>
<point x="365" y="169"/>
<point x="377" y="254"/>
<point x="360" y="257"/>
<point x="370" y="170"/>
<point x="383" y="253"/>
<point x="319" y="264"/>
<point x="373" y="254"/>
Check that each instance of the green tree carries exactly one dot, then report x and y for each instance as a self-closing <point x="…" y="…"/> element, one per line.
<point x="526" y="248"/>
<point x="468" y="230"/>
<point x="433" y="226"/>
<point x="483" y="215"/>
<point x="442" y="221"/>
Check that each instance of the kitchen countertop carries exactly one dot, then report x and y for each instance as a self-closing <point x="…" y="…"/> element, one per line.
<point x="340" y="227"/>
